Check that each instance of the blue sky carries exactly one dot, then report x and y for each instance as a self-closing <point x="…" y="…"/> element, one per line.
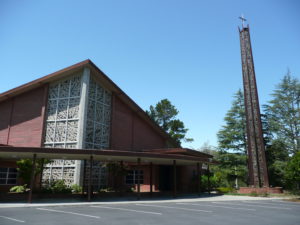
<point x="183" y="50"/>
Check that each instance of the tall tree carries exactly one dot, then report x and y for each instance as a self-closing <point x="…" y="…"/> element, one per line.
<point x="164" y="114"/>
<point x="283" y="113"/>
<point x="232" y="135"/>
<point x="232" y="138"/>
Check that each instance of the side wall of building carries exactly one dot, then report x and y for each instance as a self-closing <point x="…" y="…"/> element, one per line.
<point x="130" y="132"/>
<point x="22" y="117"/>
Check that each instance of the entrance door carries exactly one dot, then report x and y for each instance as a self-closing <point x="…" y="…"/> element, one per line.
<point x="165" y="178"/>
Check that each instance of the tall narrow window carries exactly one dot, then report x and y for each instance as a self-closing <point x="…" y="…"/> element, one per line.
<point x="62" y="122"/>
<point x="98" y="117"/>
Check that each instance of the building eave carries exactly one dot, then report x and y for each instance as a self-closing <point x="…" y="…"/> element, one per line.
<point x="10" y="152"/>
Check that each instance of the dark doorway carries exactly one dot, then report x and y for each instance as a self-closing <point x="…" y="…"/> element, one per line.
<point x="165" y="178"/>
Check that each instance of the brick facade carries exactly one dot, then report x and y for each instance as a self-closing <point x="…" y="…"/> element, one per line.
<point x="130" y="132"/>
<point x="22" y="119"/>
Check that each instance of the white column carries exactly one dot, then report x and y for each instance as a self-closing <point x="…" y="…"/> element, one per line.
<point x="83" y="105"/>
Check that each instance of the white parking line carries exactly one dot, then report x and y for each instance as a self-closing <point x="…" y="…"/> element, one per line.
<point x="170" y="207"/>
<point x="9" y="218"/>
<point x="266" y="203"/>
<point x="252" y="205"/>
<point x="226" y="207"/>
<point x="67" y="212"/>
<point x="130" y="210"/>
<point x="287" y="202"/>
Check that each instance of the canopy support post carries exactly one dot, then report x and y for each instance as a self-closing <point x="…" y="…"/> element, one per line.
<point x="32" y="178"/>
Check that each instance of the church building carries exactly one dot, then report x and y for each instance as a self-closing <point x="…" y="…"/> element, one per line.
<point x="77" y="114"/>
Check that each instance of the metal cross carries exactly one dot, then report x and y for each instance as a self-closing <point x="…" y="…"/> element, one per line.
<point x="242" y="18"/>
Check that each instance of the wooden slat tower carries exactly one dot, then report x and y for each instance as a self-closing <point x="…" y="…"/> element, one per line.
<point x="258" y="174"/>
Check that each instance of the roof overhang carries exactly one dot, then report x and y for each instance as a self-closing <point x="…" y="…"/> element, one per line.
<point x="10" y="152"/>
<point x="180" y="151"/>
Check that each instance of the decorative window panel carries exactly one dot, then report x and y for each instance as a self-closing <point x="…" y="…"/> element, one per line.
<point x="97" y="129"/>
<point x="98" y="117"/>
<point x="62" y="127"/>
<point x="99" y="176"/>
<point x="63" y="113"/>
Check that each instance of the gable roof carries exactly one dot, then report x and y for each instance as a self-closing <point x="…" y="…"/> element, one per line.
<point x="99" y="75"/>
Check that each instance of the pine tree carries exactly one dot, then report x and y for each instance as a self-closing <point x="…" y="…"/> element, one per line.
<point x="232" y="144"/>
<point x="164" y="114"/>
<point x="283" y="113"/>
<point x="232" y="136"/>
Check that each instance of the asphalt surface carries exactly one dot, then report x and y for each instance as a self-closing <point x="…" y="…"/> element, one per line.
<point x="275" y="212"/>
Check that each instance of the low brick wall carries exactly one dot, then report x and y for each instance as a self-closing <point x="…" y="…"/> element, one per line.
<point x="270" y="190"/>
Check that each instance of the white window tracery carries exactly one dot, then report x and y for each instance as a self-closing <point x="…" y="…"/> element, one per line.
<point x="98" y="117"/>
<point x="62" y="127"/>
<point x="62" y="124"/>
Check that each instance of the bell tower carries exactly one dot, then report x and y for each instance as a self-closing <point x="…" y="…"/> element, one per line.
<point x="257" y="167"/>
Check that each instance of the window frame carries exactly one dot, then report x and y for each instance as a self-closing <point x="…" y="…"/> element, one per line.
<point x="7" y="176"/>
<point x="134" y="179"/>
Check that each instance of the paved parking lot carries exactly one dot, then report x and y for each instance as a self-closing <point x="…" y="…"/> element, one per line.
<point x="182" y="213"/>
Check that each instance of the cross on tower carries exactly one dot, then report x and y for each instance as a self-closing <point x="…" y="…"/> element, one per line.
<point x="242" y="18"/>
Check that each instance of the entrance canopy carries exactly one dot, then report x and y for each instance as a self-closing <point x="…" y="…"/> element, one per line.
<point x="159" y="156"/>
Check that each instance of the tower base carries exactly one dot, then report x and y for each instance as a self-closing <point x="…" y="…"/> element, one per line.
<point x="263" y="190"/>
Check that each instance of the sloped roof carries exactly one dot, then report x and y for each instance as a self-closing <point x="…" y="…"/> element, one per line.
<point x="98" y="75"/>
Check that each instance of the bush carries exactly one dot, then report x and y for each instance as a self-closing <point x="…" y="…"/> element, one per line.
<point x="253" y="194"/>
<point x="76" y="188"/>
<point x="292" y="173"/>
<point x="224" y="190"/>
<point x="19" y="189"/>
<point x="213" y="180"/>
<point x="57" y="186"/>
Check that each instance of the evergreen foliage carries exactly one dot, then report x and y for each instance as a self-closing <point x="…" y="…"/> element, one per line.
<point x="281" y="129"/>
<point x="164" y="114"/>
<point x="232" y="136"/>
<point x="292" y="172"/>
<point x="283" y="113"/>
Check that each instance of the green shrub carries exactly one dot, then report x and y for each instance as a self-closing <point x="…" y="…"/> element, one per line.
<point x="59" y="186"/>
<point x="266" y="194"/>
<point x="224" y="190"/>
<point x="19" y="189"/>
<point x="76" y="188"/>
<point x="292" y="173"/>
<point x="253" y="194"/>
<point x="212" y="184"/>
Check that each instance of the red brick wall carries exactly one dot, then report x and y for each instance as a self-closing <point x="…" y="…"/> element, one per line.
<point x="5" y="115"/>
<point x="187" y="178"/>
<point x="263" y="190"/>
<point x="144" y="137"/>
<point x="145" y="187"/>
<point x="130" y="132"/>
<point x="22" y="117"/>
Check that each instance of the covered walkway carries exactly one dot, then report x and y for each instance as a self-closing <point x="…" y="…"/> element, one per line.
<point x="173" y="157"/>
